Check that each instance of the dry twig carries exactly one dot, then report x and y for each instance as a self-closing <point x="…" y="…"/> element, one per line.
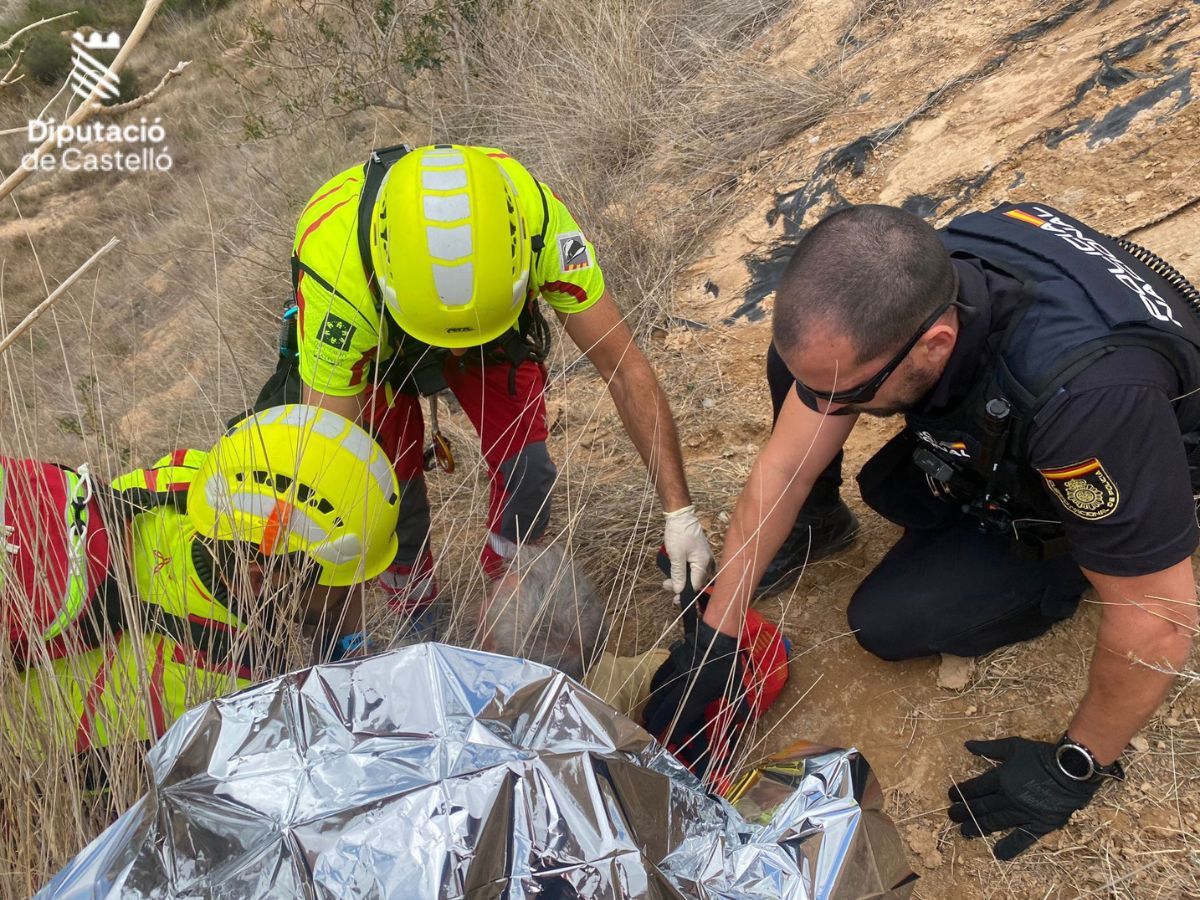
<point x="148" y="97"/>
<point x="37" y="311"/>
<point x="32" y="25"/>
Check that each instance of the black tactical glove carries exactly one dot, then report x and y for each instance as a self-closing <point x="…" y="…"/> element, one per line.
<point x="1027" y="792"/>
<point x="703" y="667"/>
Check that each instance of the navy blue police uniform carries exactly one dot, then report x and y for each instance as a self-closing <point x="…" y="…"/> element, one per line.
<point x="1062" y="433"/>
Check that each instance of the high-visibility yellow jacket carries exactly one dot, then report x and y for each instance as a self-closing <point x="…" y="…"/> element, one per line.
<point x="184" y="642"/>
<point x="332" y="286"/>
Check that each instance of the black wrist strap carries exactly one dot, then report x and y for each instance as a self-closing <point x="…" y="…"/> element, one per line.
<point x="1099" y="772"/>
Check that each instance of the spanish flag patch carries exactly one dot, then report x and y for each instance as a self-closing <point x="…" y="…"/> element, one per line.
<point x="1084" y="489"/>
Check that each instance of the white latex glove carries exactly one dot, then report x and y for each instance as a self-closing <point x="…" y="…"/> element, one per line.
<point x="687" y="548"/>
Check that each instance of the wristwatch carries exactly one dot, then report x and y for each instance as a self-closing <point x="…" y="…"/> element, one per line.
<point x="1078" y="763"/>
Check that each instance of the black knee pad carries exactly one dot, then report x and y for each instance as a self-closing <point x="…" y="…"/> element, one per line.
<point x="529" y="477"/>
<point x="412" y="526"/>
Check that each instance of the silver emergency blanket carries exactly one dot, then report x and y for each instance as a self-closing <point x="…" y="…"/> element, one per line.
<point x="433" y="771"/>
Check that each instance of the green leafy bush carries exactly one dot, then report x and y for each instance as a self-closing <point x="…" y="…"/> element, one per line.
<point x="129" y="87"/>
<point x="47" y="58"/>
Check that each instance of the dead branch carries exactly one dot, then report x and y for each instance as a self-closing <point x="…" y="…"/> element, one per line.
<point x="34" y="313"/>
<point x="20" y="31"/>
<point x="147" y="97"/>
<point x="8" y="80"/>
<point x="91" y="104"/>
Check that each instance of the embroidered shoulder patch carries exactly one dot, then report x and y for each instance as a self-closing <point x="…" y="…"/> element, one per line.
<point x="573" y="252"/>
<point x="1084" y="489"/>
<point x="336" y="332"/>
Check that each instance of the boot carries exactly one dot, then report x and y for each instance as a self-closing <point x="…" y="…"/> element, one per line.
<point x="813" y="537"/>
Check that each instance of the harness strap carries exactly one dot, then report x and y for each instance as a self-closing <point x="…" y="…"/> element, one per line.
<point x="76" y="513"/>
<point x="374" y="170"/>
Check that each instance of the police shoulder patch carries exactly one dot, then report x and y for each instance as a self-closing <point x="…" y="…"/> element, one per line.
<point x="573" y="251"/>
<point x="1084" y="489"/>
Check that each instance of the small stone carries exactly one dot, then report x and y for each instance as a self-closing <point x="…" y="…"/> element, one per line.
<point x="1161" y="745"/>
<point x="955" y="672"/>
<point x="723" y="516"/>
<point x="924" y="843"/>
<point x="1145" y="787"/>
<point x="970" y="710"/>
<point x="1172" y="722"/>
<point x="708" y="402"/>
<point x="1139" y="743"/>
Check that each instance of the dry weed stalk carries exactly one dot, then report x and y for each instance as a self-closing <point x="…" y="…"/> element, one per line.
<point x="37" y="311"/>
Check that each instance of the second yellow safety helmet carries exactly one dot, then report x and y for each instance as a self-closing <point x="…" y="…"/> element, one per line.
<point x="301" y="479"/>
<point x="450" y="249"/>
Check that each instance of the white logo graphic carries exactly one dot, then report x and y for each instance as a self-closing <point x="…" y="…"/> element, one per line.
<point x="96" y="146"/>
<point x="88" y="74"/>
<point x="1155" y="305"/>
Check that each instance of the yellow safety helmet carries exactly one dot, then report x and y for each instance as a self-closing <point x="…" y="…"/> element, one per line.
<point x="450" y="249"/>
<point x="301" y="479"/>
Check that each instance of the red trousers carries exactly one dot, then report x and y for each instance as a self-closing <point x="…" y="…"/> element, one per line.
<point x="512" y="440"/>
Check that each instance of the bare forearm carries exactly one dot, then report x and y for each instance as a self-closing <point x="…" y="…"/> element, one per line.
<point x="647" y="418"/>
<point x="347" y="407"/>
<point x="761" y="521"/>
<point x="1143" y="638"/>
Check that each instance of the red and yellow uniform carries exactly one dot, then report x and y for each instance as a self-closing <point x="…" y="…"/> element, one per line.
<point x="344" y="334"/>
<point x="138" y="680"/>
<point x="433" y="268"/>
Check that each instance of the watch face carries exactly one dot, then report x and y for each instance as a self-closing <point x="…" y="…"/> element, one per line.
<point x="1075" y="762"/>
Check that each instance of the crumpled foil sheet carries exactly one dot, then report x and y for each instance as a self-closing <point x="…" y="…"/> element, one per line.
<point x="433" y="771"/>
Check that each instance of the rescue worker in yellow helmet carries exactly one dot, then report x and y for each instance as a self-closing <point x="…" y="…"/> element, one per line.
<point x="220" y="549"/>
<point x="420" y="271"/>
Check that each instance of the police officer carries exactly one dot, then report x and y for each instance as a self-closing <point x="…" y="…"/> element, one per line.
<point x="1048" y="376"/>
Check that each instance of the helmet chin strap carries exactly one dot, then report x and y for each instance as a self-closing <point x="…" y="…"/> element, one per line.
<point x="212" y="569"/>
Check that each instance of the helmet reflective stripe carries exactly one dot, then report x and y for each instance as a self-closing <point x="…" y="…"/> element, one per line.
<point x="287" y="518"/>
<point x="443" y="156"/>
<point x="384" y="475"/>
<point x="75" y="598"/>
<point x="520" y="287"/>
<point x="341" y="550"/>
<point x="449" y="243"/>
<point x="301" y="480"/>
<point x="444" y="180"/>
<point x="454" y="284"/>
<point x="446" y="208"/>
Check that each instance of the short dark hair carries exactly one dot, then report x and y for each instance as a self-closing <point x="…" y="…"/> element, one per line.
<point x="872" y="273"/>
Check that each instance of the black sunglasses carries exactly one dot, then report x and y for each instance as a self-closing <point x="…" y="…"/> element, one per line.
<point x="867" y="390"/>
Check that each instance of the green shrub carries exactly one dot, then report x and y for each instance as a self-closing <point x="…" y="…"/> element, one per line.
<point x="129" y="87"/>
<point x="85" y="14"/>
<point x="194" y="9"/>
<point x="47" y="58"/>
